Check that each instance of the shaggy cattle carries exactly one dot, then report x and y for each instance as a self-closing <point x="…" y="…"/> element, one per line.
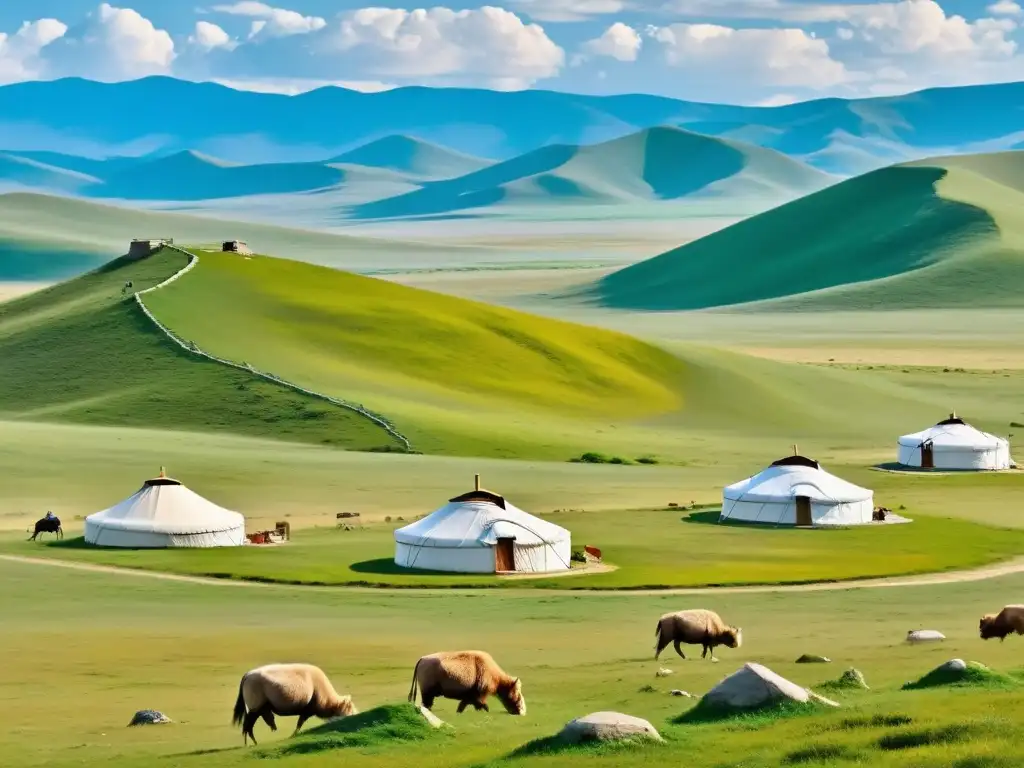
<point x="48" y="524"/>
<point x="469" y="677"/>
<point x="288" y="690"/>
<point x="695" y="627"/>
<point x="1008" y="621"/>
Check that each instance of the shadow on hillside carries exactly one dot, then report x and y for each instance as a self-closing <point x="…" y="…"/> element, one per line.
<point x="78" y="542"/>
<point x="711" y="517"/>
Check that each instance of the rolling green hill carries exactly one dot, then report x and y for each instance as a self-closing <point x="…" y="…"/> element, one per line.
<point x="455" y="375"/>
<point x="945" y="232"/>
<point x="655" y="164"/>
<point x="414" y="157"/>
<point x="82" y="352"/>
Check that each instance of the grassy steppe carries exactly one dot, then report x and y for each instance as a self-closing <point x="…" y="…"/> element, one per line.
<point x="935" y="233"/>
<point x="83" y="352"/>
<point x="651" y="549"/>
<point x="122" y="643"/>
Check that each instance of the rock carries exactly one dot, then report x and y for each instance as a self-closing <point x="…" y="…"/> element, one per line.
<point x="433" y="720"/>
<point x="810" y="658"/>
<point x="149" y="717"/>
<point x="924" y="636"/>
<point x="755" y="686"/>
<point x="608" y="726"/>
<point x="677" y="692"/>
<point x="819" y="699"/>
<point x="953" y="665"/>
<point x="664" y="672"/>
<point x="853" y="678"/>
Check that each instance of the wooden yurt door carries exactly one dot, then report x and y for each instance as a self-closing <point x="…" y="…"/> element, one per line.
<point x="927" y="456"/>
<point x="504" y="555"/>
<point x="803" y="511"/>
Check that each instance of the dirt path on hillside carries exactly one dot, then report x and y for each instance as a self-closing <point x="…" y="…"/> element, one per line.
<point x="1005" y="568"/>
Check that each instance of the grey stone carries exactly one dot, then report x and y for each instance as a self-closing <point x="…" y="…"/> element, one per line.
<point x="608" y="726"/>
<point x="953" y="665"/>
<point x="664" y="672"/>
<point x="924" y="636"/>
<point x="810" y="658"/>
<point x="819" y="699"/>
<point x="677" y="692"/>
<point x="753" y="686"/>
<point x="149" y="717"/>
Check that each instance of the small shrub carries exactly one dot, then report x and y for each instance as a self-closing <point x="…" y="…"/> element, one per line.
<point x="1016" y="424"/>
<point x="875" y="721"/>
<point x="647" y="689"/>
<point x="647" y="460"/>
<point x="619" y="460"/>
<point x="948" y="734"/>
<point x="822" y="753"/>
<point x="578" y="556"/>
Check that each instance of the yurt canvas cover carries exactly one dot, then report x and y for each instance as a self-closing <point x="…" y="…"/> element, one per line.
<point x="796" y="491"/>
<point x="164" y="513"/>
<point x="954" y="444"/>
<point x="481" y="532"/>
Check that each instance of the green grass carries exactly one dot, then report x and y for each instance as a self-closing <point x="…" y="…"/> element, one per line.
<point x="935" y="233"/>
<point x="975" y="675"/>
<point x="646" y="546"/>
<point x="456" y="376"/>
<point x="382" y="727"/>
<point x="124" y="643"/>
<point x="82" y="352"/>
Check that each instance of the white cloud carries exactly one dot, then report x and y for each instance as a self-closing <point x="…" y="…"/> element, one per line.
<point x="19" y="53"/>
<point x="768" y="57"/>
<point x="619" y="41"/>
<point x="273" y="22"/>
<point x="489" y="44"/>
<point x="209" y="36"/>
<point x="112" y="44"/>
<point x="567" y="10"/>
<point x="1005" y="8"/>
<point x="844" y="33"/>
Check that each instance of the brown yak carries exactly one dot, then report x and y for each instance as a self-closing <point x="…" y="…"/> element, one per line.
<point x="469" y="677"/>
<point x="695" y="627"/>
<point x="288" y="690"/>
<point x="1008" y="621"/>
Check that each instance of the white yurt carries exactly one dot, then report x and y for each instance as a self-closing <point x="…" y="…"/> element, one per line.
<point x="164" y="513"/>
<point x="481" y="532"/>
<point x="796" y="491"/>
<point x="954" y="444"/>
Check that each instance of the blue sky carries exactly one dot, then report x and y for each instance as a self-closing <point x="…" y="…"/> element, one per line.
<point x="739" y="51"/>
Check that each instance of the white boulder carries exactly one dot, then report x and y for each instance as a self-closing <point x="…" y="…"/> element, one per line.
<point x="756" y="686"/>
<point x="608" y="726"/>
<point x="433" y="720"/>
<point x="953" y="665"/>
<point x="664" y="672"/>
<point x="924" y="636"/>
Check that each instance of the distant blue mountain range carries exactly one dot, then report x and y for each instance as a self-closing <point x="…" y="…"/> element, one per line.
<point x="162" y="116"/>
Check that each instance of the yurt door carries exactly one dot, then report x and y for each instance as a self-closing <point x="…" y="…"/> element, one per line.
<point x="927" y="456"/>
<point x="504" y="555"/>
<point x="803" y="511"/>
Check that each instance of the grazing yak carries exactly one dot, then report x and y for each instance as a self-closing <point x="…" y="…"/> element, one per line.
<point x="469" y="677"/>
<point x="48" y="524"/>
<point x="288" y="690"/>
<point x="1008" y="621"/>
<point x="695" y="627"/>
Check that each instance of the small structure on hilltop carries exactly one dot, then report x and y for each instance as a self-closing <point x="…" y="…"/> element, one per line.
<point x="164" y="513"/>
<point x="797" y="491"/>
<point x="954" y="444"/>
<point x="236" y="246"/>
<point x="481" y="532"/>
<point x="140" y="249"/>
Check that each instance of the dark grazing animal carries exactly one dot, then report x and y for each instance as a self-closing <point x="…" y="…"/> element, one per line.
<point x="1008" y="621"/>
<point x="48" y="524"/>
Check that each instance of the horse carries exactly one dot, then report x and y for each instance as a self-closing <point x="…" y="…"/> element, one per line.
<point x="47" y="525"/>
